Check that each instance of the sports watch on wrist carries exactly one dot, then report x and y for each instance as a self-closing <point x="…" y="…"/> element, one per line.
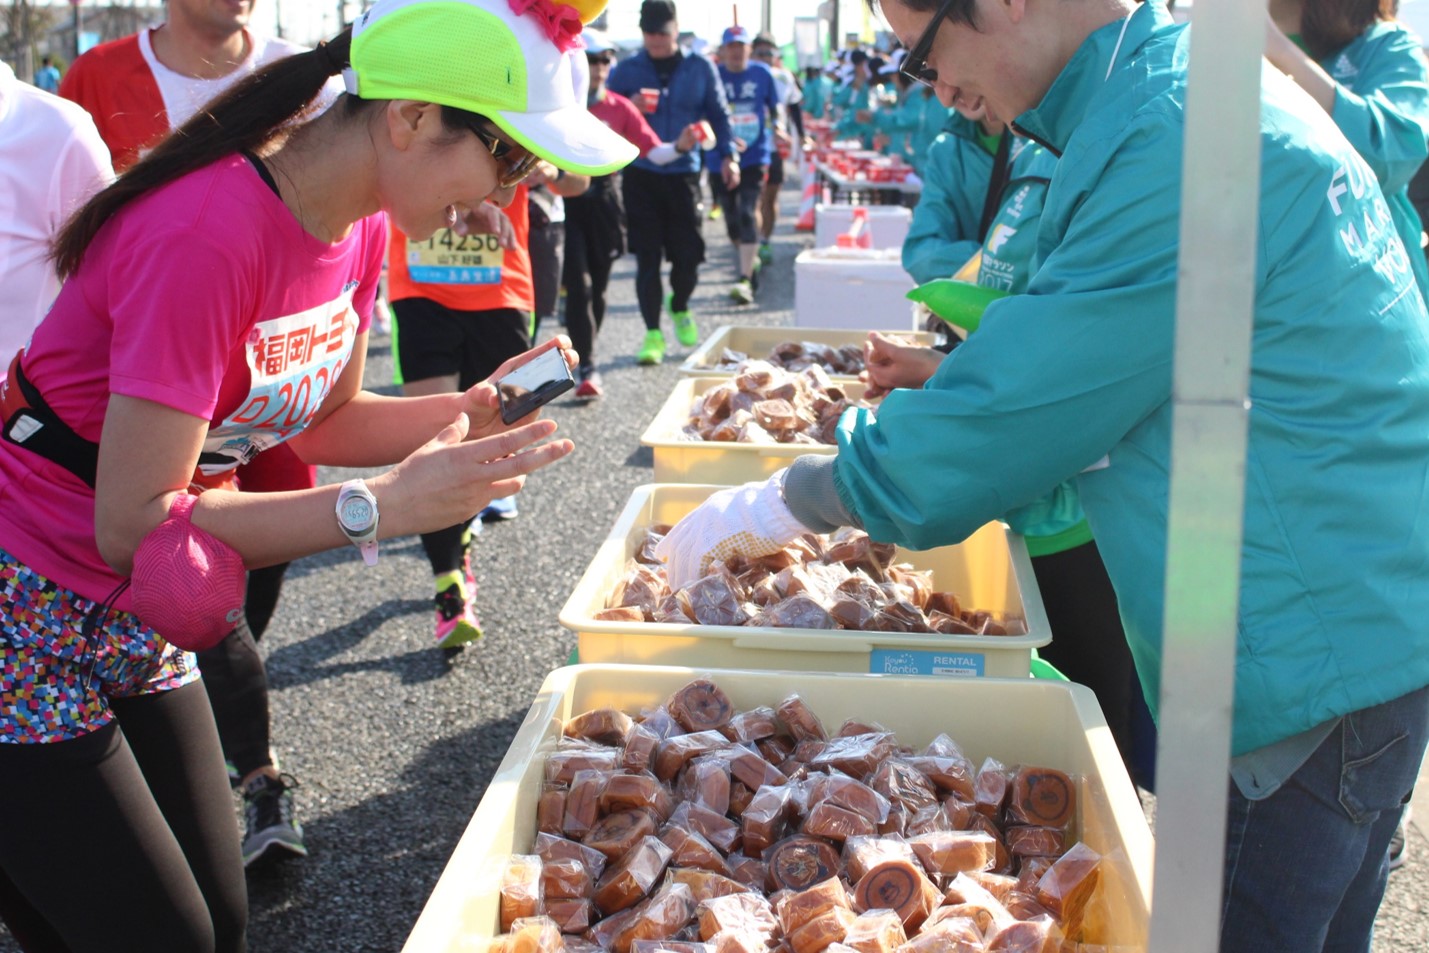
<point x="357" y="516"/>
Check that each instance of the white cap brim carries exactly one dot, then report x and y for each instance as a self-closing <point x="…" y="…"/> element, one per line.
<point x="570" y="138"/>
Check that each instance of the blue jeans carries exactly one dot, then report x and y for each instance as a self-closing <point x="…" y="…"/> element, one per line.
<point x="1306" y="867"/>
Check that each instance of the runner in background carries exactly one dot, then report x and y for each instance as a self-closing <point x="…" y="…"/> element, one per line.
<point x="754" y="123"/>
<point x="790" y="124"/>
<point x="137" y="89"/>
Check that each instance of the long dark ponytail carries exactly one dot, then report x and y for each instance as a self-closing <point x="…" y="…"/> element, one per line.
<point x="247" y="117"/>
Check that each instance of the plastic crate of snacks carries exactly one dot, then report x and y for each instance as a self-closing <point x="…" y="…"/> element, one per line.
<point x="838" y="350"/>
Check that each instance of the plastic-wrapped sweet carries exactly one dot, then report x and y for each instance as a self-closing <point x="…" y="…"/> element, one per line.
<point x="856" y="755"/>
<point x="753" y="873"/>
<point x="669" y="611"/>
<point x="691" y="849"/>
<point x="639" y="749"/>
<point x="551" y="808"/>
<point x="1026" y="936"/>
<point x="706" y="884"/>
<point x="798" y="907"/>
<point x="571" y="915"/>
<point x="862" y="854"/>
<point x="573" y="755"/>
<point x="628" y="881"/>
<point x="799" y="720"/>
<point x="617" y="833"/>
<point x="990" y="788"/>
<point x="796" y="612"/>
<point x="550" y="848"/>
<point x="603" y="726"/>
<point x="566" y="878"/>
<point x="847" y="792"/>
<point x="661" y="917"/>
<point x="583" y="803"/>
<point x="676" y="751"/>
<point x="715" y="828"/>
<point x="1036" y="841"/>
<point x="900" y="781"/>
<point x="876" y="931"/>
<point x="641" y="588"/>
<point x="1066" y="888"/>
<point x="520" y="889"/>
<point x="533" y="935"/>
<point x="746" y="912"/>
<point x="766" y="818"/>
<point x="953" y="852"/>
<point x="714" y="600"/>
<point x="951" y="934"/>
<point x="645" y="552"/>
<point x="1043" y="797"/>
<point x="836" y="823"/>
<point x="816" y="935"/>
<point x="620" y="614"/>
<point x="705" y="781"/>
<point x="799" y="862"/>
<point x="753" y="725"/>
<point x="700" y="705"/>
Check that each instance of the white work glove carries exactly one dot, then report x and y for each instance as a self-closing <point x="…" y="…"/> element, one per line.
<point x="749" y="520"/>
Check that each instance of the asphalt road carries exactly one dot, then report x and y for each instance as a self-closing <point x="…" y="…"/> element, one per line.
<point x="393" y="743"/>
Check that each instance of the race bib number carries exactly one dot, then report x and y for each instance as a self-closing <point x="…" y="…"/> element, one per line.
<point x="744" y="126"/>
<point x="450" y="259"/>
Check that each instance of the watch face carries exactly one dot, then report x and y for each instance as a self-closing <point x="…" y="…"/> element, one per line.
<point x="357" y="514"/>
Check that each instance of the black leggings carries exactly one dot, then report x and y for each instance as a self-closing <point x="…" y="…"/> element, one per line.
<point x="662" y="214"/>
<point x="125" y="838"/>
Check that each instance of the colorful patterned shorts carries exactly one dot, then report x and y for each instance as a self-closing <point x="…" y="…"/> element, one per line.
<point x="55" y="685"/>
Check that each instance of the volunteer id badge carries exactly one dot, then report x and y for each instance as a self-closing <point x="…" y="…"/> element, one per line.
<point x="451" y="259"/>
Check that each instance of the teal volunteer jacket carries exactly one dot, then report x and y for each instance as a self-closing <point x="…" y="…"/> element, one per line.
<point x="1336" y="541"/>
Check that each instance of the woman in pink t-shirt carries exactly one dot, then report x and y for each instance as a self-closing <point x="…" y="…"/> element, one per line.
<point x="216" y="304"/>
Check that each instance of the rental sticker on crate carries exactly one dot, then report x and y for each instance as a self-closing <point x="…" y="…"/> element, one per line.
<point x="900" y="662"/>
<point x="451" y="259"/>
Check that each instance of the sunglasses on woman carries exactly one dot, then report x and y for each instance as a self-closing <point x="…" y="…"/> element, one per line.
<point x="514" y="162"/>
<point x="915" y="64"/>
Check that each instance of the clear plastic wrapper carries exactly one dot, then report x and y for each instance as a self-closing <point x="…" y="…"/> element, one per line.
<point x="816" y="935"/>
<point x="739" y="797"/>
<point x="551" y="848"/>
<point x="896" y="824"/>
<point x="639" y="749"/>
<point x="776" y="750"/>
<point x="947" y="853"/>
<point x="572" y="756"/>
<point x="776" y="414"/>
<point x="700" y="706"/>
<point x="846" y="792"/>
<point x="579" y="944"/>
<point x="1043" y="797"/>
<point x="749" y="871"/>
<point x="602" y="726"/>
<point x="641" y="587"/>
<point x="1024" y="907"/>
<point x="534" y="935"/>
<point x="671" y="611"/>
<point x="583" y="803"/>
<point x="574" y="915"/>
<point x="945" y="765"/>
<point x="853" y="549"/>
<point x="738" y="941"/>
<point x="602" y="932"/>
<point x="857" y="755"/>
<point x="619" y="614"/>
<point x="835" y="823"/>
<point x="705" y="781"/>
<point x="927" y="820"/>
<point x="959" y="812"/>
<point x="645" y="552"/>
<point x="798" y="907"/>
<point x="945" y="602"/>
<point x="999" y="885"/>
<point x="968" y="897"/>
<point x="1026" y="936"/>
<point x="799" y="611"/>
<point x="1069" y="884"/>
<point x="705" y="884"/>
<point x="852" y="726"/>
<point x="919" y="582"/>
<point x="565" y="878"/>
<point x="862" y="854"/>
<point x="766" y="818"/>
<point x="676" y="751"/>
<point x="950" y="934"/>
<point x="551" y="808"/>
<point x="1030" y="870"/>
<point x="744" y="912"/>
<point x="658" y="720"/>
<point x="617" y="833"/>
<point x="520" y="889"/>
<point x="714" y="600"/>
<point x="660" y="917"/>
<point x="799" y="862"/>
<point x="637" y="790"/>
<point x="876" y="931"/>
<point x="990" y="788"/>
<point x="690" y="849"/>
<point x="901" y="886"/>
<point x="630" y="879"/>
<point x="799" y="720"/>
<point x="715" y="828"/>
<point x="670" y="946"/>
<point x="1002" y="863"/>
<point x="750" y="768"/>
<point x="1035" y="841"/>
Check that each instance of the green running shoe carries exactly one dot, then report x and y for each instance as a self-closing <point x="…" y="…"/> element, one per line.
<point x="652" y="351"/>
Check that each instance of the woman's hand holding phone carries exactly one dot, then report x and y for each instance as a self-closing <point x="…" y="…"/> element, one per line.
<point x="482" y="403"/>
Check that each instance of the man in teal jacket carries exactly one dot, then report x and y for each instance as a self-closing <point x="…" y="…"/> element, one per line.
<point x="1332" y="664"/>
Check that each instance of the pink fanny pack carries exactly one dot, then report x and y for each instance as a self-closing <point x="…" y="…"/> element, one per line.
<point x="187" y="584"/>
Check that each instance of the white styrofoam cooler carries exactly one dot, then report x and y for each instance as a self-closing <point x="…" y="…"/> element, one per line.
<point x="852" y="288"/>
<point x="887" y="224"/>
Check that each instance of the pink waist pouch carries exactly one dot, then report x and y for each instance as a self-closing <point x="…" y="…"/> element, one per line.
<point x="187" y="584"/>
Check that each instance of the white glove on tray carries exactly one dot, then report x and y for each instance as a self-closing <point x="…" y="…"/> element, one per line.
<point x="748" y="520"/>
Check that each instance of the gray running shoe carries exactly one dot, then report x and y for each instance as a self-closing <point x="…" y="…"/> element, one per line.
<point x="1397" y="842"/>
<point x="271" y="830"/>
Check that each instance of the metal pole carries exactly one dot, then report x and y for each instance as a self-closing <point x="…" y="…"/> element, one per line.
<point x="1214" y="315"/>
<point x="78" y="25"/>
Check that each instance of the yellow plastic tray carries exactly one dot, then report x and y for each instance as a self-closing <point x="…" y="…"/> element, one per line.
<point x="757" y="342"/>
<point x="990" y="570"/>
<point x="1054" y="724"/>
<point x="710" y="461"/>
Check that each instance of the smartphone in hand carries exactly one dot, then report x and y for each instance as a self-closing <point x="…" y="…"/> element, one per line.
<point x="533" y="384"/>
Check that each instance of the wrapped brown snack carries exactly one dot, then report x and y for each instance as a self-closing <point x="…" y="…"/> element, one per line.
<point x="661" y="917"/>
<point x="927" y="820"/>
<point x="690" y="849"/>
<point x="1024" y="907"/>
<point x="990" y="788"/>
<point x="798" y="907"/>
<point x="738" y="941"/>
<point x="835" y="823"/>
<point x="947" y="935"/>
<point x="670" y="946"/>
<point x="535" y="935"/>
<point x="671" y="611"/>
<point x="640" y="790"/>
<point x="857" y="755"/>
<point x="719" y="830"/>
<point x="801" y="723"/>
<point x="953" y="852"/>
<point x="898" y="885"/>
<point x="1002" y="862"/>
<point x="658" y="720"/>
<point x="641" y="587"/>
<point x="617" y="833"/>
<point x="573" y="756"/>
<point x="550" y="848"/>
<point x="862" y="854"/>
<point x="1070" y="882"/>
<point x="571" y="916"/>
<point x="700" y="706"/>
<point x="816" y="935"/>
<point x="551" y="808"/>
<point x="675" y="752"/>
<point x="705" y="781"/>
<point x="566" y="878"/>
<point x="959" y="812"/>
<point x="846" y="792"/>
<point x="1036" y="841"/>
<point x="751" y="769"/>
<point x="739" y="797"/>
<point x="876" y="931"/>
<point x="626" y="883"/>
<point x="645" y="552"/>
<point x="714" y="600"/>
<point x="619" y="614"/>
<point x="1026" y="936"/>
<point x="967" y="897"/>
<point x="1042" y="797"/>
<point x="602" y="932"/>
<point x="1030" y="870"/>
<point x="799" y="611"/>
<point x="800" y="861"/>
<point x="753" y="725"/>
<point x="999" y="885"/>
<point x="949" y="774"/>
<point x="603" y="726"/>
<point x="748" y="871"/>
<point x="639" y="749"/>
<point x="766" y="818"/>
<point x="705" y="885"/>
<point x="520" y="889"/>
<point x="743" y="912"/>
<point x="583" y="803"/>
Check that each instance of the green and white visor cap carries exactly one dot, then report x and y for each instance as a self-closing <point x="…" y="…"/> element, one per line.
<point x="481" y="56"/>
